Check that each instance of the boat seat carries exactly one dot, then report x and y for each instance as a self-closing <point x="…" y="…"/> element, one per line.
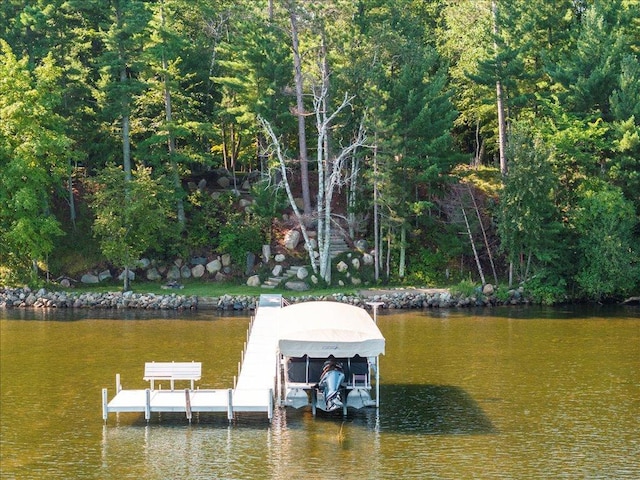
<point x="360" y="380"/>
<point x="172" y="371"/>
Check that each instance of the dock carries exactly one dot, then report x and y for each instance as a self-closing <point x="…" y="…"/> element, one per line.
<point x="253" y="390"/>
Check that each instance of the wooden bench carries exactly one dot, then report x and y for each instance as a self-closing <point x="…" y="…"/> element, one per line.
<point x="172" y="371"/>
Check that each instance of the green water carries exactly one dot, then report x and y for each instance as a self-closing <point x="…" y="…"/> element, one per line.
<point x="501" y="393"/>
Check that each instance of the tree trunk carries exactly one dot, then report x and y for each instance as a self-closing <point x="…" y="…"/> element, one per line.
<point x="285" y="180"/>
<point x="300" y="112"/>
<point x="484" y="235"/>
<point x="403" y="248"/>
<point x="171" y="141"/>
<point x="502" y="134"/>
<point x="376" y="250"/>
<point x="473" y="245"/>
<point x="127" y="283"/>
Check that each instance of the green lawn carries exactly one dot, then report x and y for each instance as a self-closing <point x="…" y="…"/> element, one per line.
<point x="209" y="289"/>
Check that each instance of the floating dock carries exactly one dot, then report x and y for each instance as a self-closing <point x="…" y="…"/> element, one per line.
<point x="253" y="390"/>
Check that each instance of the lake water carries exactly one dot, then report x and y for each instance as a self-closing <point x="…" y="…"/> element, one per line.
<point x="497" y="393"/>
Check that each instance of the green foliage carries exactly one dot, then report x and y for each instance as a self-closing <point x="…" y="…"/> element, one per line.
<point x="529" y="220"/>
<point x="465" y="288"/>
<point x="219" y="224"/>
<point x="238" y="239"/>
<point x="547" y="288"/>
<point x="604" y="222"/>
<point x="131" y="216"/>
<point x="33" y="148"/>
<point x="426" y="267"/>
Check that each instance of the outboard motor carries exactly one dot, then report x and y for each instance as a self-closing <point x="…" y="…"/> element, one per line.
<point x="330" y="380"/>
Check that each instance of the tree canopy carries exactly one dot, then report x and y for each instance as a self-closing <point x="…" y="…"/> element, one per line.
<point x="451" y="135"/>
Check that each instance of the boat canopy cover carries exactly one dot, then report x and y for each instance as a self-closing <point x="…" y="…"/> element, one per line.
<point x="320" y="329"/>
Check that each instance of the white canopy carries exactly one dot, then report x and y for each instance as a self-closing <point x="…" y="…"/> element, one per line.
<point x="320" y="329"/>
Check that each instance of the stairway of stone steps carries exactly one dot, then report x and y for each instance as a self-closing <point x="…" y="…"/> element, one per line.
<point x="338" y="246"/>
<point x="273" y="282"/>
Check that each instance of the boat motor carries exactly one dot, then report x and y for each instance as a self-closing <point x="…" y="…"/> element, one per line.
<point x="330" y="381"/>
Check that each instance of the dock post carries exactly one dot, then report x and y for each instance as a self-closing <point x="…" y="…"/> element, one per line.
<point x="187" y="405"/>
<point x="230" y="405"/>
<point x="118" y="384"/>
<point x="270" y="411"/>
<point x="105" y="406"/>
<point x="147" y="405"/>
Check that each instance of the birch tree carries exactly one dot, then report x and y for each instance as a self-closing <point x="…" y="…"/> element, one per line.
<point x="330" y="176"/>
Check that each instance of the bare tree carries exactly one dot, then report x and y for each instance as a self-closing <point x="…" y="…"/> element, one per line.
<point x="330" y="175"/>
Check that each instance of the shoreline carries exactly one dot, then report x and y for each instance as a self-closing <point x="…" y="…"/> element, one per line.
<point x="402" y="298"/>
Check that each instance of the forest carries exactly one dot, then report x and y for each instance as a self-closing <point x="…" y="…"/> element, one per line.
<point x="482" y="141"/>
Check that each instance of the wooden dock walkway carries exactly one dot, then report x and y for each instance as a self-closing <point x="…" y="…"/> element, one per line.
<point x="253" y="391"/>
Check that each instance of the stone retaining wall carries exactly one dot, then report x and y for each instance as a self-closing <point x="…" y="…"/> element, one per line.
<point x="401" y="299"/>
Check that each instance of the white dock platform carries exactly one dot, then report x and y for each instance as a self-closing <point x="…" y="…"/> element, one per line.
<point x="254" y="389"/>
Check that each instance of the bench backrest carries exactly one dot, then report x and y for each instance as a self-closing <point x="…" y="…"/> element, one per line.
<point x="172" y="371"/>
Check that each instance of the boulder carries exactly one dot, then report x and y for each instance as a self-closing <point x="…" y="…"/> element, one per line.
<point x="356" y="263"/>
<point x="185" y="271"/>
<point x="487" y="289"/>
<point x="291" y="239"/>
<point x="104" y="275"/>
<point x="277" y="270"/>
<point x="279" y="257"/>
<point x="226" y="260"/>
<point x="198" y="261"/>
<point x="89" y="278"/>
<point x="173" y="273"/>
<point x="342" y="267"/>
<point x="302" y="273"/>
<point x="214" y="266"/>
<point x="297" y="286"/>
<point x="198" y="271"/>
<point x="224" y="182"/>
<point x="361" y="245"/>
<point x="253" y="281"/>
<point x="131" y="275"/>
<point x="153" y="275"/>
<point x="367" y="259"/>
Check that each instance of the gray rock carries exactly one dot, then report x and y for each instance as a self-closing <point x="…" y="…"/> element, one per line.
<point x="198" y="261"/>
<point x="253" y="281"/>
<point x="153" y="275"/>
<point x="214" y="266"/>
<point x="302" y="273"/>
<point x="291" y="239"/>
<point x="173" y="273"/>
<point x="89" y="278"/>
<point x="198" y="271"/>
<point x="487" y="289"/>
<point x="131" y="275"/>
<point x="298" y="286"/>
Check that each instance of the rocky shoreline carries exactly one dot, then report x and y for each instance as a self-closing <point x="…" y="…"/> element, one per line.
<point x="390" y="299"/>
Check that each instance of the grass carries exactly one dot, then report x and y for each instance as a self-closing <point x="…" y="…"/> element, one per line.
<point x="207" y="289"/>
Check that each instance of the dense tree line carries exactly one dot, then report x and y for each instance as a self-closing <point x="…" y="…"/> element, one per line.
<point x="491" y="140"/>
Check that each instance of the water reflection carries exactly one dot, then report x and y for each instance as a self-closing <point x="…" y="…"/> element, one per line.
<point x="432" y="410"/>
